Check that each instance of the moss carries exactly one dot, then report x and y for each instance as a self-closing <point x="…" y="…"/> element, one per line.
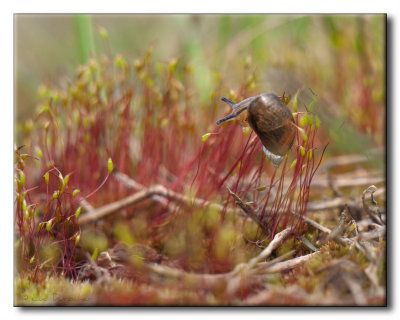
<point x="52" y="291"/>
<point x="91" y="240"/>
<point x="251" y="230"/>
<point x="309" y="275"/>
<point x="287" y="246"/>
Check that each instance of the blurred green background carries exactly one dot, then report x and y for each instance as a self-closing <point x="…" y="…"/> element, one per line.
<point x="340" y="57"/>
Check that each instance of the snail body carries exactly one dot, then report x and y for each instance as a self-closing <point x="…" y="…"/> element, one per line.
<point x="270" y="119"/>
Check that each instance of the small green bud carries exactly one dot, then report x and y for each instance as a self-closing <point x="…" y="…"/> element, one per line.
<point x="27" y="215"/>
<point x="302" y="151"/>
<point x="75" y="192"/>
<point x="77" y="239"/>
<point x="78" y="212"/>
<point x="293" y="163"/>
<point x="164" y="123"/>
<point x="47" y="177"/>
<point x="172" y="65"/>
<point x="66" y="180"/>
<point x="303" y="121"/>
<point x="21" y="178"/>
<point x="40" y="226"/>
<point x="49" y="224"/>
<point x="120" y="61"/>
<point x="204" y="137"/>
<point x="309" y="154"/>
<point x="95" y="254"/>
<point x="24" y="205"/>
<point x="39" y="152"/>
<point x="309" y="120"/>
<point x="110" y="165"/>
<point x="43" y="110"/>
<point x="304" y="136"/>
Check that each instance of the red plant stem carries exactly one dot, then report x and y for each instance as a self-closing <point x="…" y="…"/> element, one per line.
<point x="98" y="188"/>
<point x="236" y="163"/>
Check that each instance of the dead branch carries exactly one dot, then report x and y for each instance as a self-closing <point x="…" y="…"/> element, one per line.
<point x="262" y="266"/>
<point x="157" y="190"/>
<point x="313" y="223"/>
<point x="275" y="243"/>
<point x="197" y="280"/>
<point x="374" y="234"/>
<point x="86" y="205"/>
<point x="336" y="234"/>
<point x="115" y="206"/>
<point x="247" y="209"/>
<point x="132" y="184"/>
<point x="289" y="264"/>
<point x="373" y="209"/>
<point x="245" y="270"/>
<point x="127" y="181"/>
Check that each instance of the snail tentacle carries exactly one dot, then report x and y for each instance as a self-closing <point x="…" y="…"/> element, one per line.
<point x="229" y="117"/>
<point x="231" y="103"/>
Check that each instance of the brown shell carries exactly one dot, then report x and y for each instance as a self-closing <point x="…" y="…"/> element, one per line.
<point x="273" y="122"/>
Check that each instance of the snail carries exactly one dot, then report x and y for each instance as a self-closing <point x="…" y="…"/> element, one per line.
<point x="270" y="119"/>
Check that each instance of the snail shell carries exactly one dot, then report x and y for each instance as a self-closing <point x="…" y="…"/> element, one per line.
<point x="270" y="119"/>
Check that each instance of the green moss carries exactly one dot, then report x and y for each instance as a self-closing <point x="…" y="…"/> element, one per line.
<point x="122" y="233"/>
<point x="287" y="246"/>
<point x="91" y="240"/>
<point x="52" y="291"/>
<point x="309" y="275"/>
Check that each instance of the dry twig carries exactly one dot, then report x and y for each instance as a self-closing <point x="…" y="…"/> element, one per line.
<point x="373" y="209"/>
<point x="157" y="190"/>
